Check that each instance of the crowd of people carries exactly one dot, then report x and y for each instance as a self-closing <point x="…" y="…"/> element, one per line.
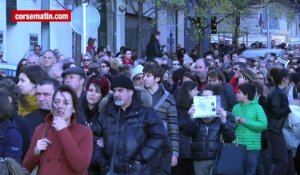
<point x="117" y="114"/>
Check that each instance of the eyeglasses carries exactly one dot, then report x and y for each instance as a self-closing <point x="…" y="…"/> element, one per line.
<point x="86" y="60"/>
<point x="259" y="78"/>
<point x="138" y="78"/>
<point x="175" y="64"/>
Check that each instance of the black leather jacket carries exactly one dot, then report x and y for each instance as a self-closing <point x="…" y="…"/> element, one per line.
<point x="206" y="136"/>
<point x="140" y="134"/>
<point x="277" y="109"/>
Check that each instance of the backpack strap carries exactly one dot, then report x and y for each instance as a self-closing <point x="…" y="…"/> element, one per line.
<point x="163" y="98"/>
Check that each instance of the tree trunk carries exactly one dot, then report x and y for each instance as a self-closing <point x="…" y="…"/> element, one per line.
<point x="201" y="43"/>
<point x="77" y="55"/>
<point x="236" y="32"/>
<point x="140" y="29"/>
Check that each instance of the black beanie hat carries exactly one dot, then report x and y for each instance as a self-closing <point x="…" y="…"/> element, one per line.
<point x="123" y="82"/>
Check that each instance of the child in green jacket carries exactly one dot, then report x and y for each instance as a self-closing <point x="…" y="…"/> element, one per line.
<point x="251" y="120"/>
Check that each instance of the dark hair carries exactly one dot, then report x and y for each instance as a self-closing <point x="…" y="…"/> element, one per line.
<point x="108" y="53"/>
<point x="278" y="74"/>
<point x="215" y="89"/>
<point x="66" y="88"/>
<point x="10" y="88"/>
<point x="107" y="63"/>
<point x="155" y="69"/>
<point x="35" y="73"/>
<point x="259" y="88"/>
<point x="190" y="75"/>
<point x="93" y="71"/>
<point x="240" y="64"/>
<point x="248" y="89"/>
<point x="36" y="45"/>
<point x="6" y="109"/>
<point x="153" y="35"/>
<point x="100" y="49"/>
<point x="91" y="41"/>
<point x="177" y="74"/>
<point x="295" y="77"/>
<point x="221" y="59"/>
<point x="49" y="81"/>
<point x="20" y="67"/>
<point x="183" y="97"/>
<point x="67" y="65"/>
<point x="216" y="73"/>
<point x="125" y="50"/>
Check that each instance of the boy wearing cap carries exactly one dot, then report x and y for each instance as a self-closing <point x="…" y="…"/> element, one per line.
<point x="165" y="106"/>
<point x="132" y="132"/>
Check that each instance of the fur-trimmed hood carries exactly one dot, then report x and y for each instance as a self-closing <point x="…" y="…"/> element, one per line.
<point x="141" y="94"/>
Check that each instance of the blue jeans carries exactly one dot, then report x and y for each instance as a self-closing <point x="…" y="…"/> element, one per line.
<point x="252" y="161"/>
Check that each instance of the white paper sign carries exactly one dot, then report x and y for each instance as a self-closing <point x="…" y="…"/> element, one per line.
<point x="205" y="106"/>
<point x="283" y="61"/>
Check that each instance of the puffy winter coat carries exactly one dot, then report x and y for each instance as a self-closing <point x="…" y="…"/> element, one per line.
<point x="206" y="136"/>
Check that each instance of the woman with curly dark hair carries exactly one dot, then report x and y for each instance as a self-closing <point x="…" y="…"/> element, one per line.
<point x="11" y="89"/>
<point x="10" y="137"/>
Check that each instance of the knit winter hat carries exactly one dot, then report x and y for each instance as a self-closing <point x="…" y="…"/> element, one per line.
<point x="136" y="70"/>
<point x="123" y="82"/>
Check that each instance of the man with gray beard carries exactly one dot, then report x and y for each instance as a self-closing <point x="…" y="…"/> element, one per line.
<point x="132" y="132"/>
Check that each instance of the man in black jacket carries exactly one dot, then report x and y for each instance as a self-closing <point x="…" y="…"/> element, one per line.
<point x="132" y="133"/>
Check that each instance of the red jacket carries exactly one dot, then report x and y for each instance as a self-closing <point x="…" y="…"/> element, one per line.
<point x="126" y="61"/>
<point x="234" y="82"/>
<point x="69" y="153"/>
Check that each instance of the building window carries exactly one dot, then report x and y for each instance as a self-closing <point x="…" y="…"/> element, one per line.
<point x="1" y="41"/>
<point x="33" y="40"/>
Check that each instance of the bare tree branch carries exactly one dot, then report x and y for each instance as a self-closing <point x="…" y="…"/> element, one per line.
<point x="131" y="4"/>
<point x="148" y="16"/>
<point x="148" y="10"/>
<point x="61" y="5"/>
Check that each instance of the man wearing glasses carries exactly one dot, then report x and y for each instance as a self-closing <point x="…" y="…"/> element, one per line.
<point x="105" y="67"/>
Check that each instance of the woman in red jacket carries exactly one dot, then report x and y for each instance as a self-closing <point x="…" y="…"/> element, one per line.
<point x="60" y="145"/>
